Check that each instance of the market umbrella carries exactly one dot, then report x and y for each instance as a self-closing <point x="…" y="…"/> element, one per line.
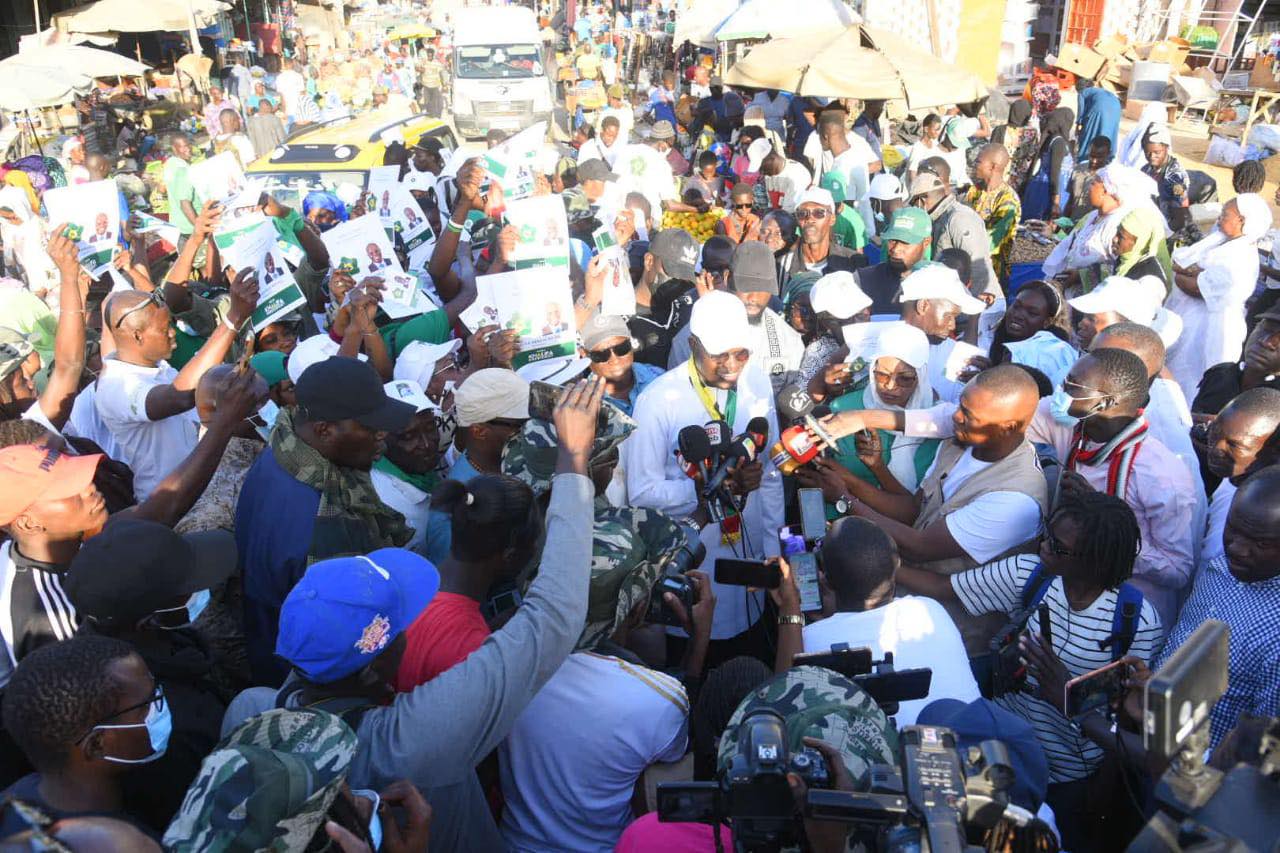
<point x="697" y="23"/>
<point x="138" y="16"/>
<point x="34" y="87"/>
<point x="89" y="61"/>
<point x="856" y="62"/>
<point x="758" y="19"/>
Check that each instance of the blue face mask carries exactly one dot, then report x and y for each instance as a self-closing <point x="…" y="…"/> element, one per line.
<point x="1060" y="406"/>
<point x="195" y="605"/>
<point x="375" y="822"/>
<point x="159" y="725"/>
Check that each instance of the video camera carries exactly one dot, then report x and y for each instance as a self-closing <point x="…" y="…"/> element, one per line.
<point x="1202" y="807"/>
<point x="673" y="579"/>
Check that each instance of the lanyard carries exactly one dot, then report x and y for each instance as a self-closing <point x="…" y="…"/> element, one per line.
<point x="708" y="399"/>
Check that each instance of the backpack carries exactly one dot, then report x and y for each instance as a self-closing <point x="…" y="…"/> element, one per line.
<point x="1124" y="619"/>
<point x="351" y="709"/>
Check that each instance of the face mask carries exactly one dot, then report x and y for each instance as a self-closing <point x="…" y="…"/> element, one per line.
<point x="1060" y="405"/>
<point x="375" y="822"/>
<point x="194" y="607"/>
<point x="159" y="725"/>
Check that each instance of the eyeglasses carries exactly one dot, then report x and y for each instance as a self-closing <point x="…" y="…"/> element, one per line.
<point x="155" y="298"/>
<point x="155" y="699"/>
<point x="735" y="354"/>
<point x="600" y="356"/>
<point x="1055" y="544"/>
<point x="746" y="206"/>
<point x="1093" y="395"/>
<point x="900" y="380"/>
<point x="812" y="213"/>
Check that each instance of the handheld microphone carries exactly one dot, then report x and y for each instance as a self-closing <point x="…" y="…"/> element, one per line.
<point x="742" y="451"/>
<point x="795" y="404"/>
<point x="720" y="435"/>
<point x="695" y="447"/>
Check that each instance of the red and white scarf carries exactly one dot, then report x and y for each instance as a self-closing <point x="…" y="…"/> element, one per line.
<point x="1118" y="454"/>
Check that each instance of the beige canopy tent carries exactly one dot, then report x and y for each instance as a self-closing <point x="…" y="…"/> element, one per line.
<point x="697" y="22"/>
<point x="758" y="19"/>
<point x="856" y="62"/>
<point x="89" y="61"/>
<point x="141" y="16"/>
<point x="34" y="87"/>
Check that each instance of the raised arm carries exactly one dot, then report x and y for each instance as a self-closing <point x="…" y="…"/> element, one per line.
<point x="68" y="344"/>
<point x="469" y="198"/>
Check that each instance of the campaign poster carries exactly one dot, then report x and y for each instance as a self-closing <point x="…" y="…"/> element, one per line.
<point x="483" y="312"/>
<point x="619" y="294"/>
<point x="542" y="232"/>
<point x="91" y="213"/>
<point x="511" y="164"/>
<point x="360" y="248"/>
<point x="398" y="210"/>
<point x="538" y="304"/>
<point x="278" y="291"/>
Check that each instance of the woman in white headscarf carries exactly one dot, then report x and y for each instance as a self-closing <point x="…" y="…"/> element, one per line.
<point x="22" y="233"/>
<point x="898" y="380"/>
<point x="1086" y="253"/>
<point x="1131" y="153"/>
<point x="1213" y="278"/>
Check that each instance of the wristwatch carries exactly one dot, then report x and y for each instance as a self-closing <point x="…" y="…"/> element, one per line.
<point x="844" y="503"/>
<point x="791" y="619"/>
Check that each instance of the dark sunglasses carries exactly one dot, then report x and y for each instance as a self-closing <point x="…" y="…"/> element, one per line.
<point x="816" y="213"/>
<point x="600" y="356"/>
<point x="509" y="423"/>
<point x="746" y="206"/>
<point x="155" y="298"/>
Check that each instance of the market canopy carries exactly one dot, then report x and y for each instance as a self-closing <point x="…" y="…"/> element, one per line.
<point x="697" y="22"/>
<point x="856" y="62"/>
<point x="139" y="16"/>
<point x="88" y="61"/>
<point x="34" y="87"/>
<point x="758" y="19"/>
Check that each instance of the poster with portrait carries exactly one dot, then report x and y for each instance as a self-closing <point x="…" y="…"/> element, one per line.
<point x="278" y="291"/>
<point x="538" y="304"/>
<point x="91" y="213"/>
<point x="398" y="210"/>
<point x="619" y="295"/>
<point x="360" y="248"/>
<point x="542" y="232"/>
<point x="511" y="164"/>
<point x="483" y="312"/>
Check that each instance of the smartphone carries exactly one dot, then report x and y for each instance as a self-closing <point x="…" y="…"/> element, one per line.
<point x="753" y="573"/>
<point x="850" y="663"/>
<point x="1046" y="626"/>
<point x="1097" y="689"/>
<point x="804" y="568"/>
<point x="543" y="399"/>
<point x="813" y="514"/>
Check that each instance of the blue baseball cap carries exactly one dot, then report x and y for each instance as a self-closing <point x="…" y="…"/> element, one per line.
<point x="982" y="719"/>
<point x="344" y="612"/>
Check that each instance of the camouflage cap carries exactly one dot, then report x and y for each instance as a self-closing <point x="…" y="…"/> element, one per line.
<point x="15" y="347"/>
<point x="267" y="786"/>
<point x="531" y="455"/>
<point x="820" y="703"/>
<point x="630" y="547"/>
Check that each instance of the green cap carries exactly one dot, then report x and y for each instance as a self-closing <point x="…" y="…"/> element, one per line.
<point x="834" y="183"/>
<point x="909" y="225"/>
<point x="270" y="366"/>
<point x="15" y="347"/>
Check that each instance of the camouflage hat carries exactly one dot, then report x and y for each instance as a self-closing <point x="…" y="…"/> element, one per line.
<point x="820" y="703"/>
<point x="15" y="347"/>
<point x="531" y="455"/>
<point x="267" y="786"/>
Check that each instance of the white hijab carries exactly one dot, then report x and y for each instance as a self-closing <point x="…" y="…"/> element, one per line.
<point x="909" y="345"/>
<point x="1216" y="249"/>
<point x="1131" y="153"/>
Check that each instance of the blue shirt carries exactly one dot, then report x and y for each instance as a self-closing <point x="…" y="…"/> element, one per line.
<point x="462" y="469"/>
<point x="1252" y="612"/>
<point x="1099" y="116"/>
<point x="644" y="374"/>
<point x="275" y="517"/>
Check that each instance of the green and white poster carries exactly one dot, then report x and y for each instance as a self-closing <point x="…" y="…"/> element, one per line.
<point x="542" y="232"/>
<point x="91" y="213"/>
<point x="278" y="291"/>
<point x="538" y="304"/>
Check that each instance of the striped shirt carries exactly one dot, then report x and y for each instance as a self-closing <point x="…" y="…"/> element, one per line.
<point x="1252" y="611"/>
<point x="997" y="588"/>
<point x="34" y="610"/>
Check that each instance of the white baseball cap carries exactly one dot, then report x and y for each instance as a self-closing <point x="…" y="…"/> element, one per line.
<point x="939" y="281"/>
<point x="756" y="152"/>
<point x="555" y="371"/>
<point x="310" y="351"/>
<point x="719" y="322"/>
<point x="886" y="187"/>
<point x="417" y="361"/>
<point x="1126" y="297"/>
<point x="817" y="195"/>
<point x="838" y="294"/>
<point x="408" y="391"/>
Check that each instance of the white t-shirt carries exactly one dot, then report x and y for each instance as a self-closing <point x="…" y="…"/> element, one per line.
<point x="992" y="524"/>
<point x="921" y="152"/>
<point x="642" y="169"/>
<point x="997" y="588"/>
<point x="791" y="182"/>
<point x="85" y="422"/>
<point x="919" y="633"/>
<point x="151" y="448"/>
<point x="570" y="765"/>
<point x="290" y="84"/>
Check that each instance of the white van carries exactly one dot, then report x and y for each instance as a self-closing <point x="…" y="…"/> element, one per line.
<point x="498" y="76"/>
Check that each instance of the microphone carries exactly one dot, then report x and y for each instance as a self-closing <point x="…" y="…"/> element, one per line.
<point x="795" y="404"/>
<point x="743" y="450"/>
<point x="720" y="435"/>
<point x="695" y="447"/>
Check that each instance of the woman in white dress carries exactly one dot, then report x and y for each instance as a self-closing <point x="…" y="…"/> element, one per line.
<point x="1213" y="278"/>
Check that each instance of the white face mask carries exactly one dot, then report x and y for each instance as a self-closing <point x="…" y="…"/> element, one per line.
<point x="375" y="822"/>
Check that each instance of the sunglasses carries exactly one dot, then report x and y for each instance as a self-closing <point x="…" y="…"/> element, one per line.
<point x="746" y="206"/>
<point x="600" y="356"/>
<point x="816" y="213"/>
<point x="155" y="298"/>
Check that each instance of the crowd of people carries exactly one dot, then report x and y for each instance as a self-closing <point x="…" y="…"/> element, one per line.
<point x="342" y="578"/>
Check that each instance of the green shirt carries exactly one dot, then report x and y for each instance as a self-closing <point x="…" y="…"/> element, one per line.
<point x="849" y="230"/>
<point x="178" y="188"/>
<point x="847" y="453"/>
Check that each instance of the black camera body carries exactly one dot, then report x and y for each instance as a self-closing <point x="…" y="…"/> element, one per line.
<point x="673" y="579"/>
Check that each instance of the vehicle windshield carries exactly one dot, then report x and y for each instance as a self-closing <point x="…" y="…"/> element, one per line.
<point x="290" y="188"/>
<point x="502" y="60"/>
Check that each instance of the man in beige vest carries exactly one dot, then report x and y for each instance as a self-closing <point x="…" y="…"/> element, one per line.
<point x="983" y="498"/>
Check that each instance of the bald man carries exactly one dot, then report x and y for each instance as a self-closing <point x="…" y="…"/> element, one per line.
<point x="145" y="403"/>
<point x="996" y="202"/>
<point x="982" y="499"/>
<point x="1243" y="439"/>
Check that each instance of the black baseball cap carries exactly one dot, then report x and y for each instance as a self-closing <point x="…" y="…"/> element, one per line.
<point x="134" y="568"/>
<point x="342" y="388"/>
<point x="717" y="253"/>
<point x="678" y="251"/>
<point x="753" y="269"/>
<point x="595" y="169"/>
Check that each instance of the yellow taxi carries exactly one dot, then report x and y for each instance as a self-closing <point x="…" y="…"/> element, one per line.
<point x="342" y="151"/>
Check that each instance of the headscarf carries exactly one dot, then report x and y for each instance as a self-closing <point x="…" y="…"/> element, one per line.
<point x="321" y="200"/>
<point x="1257" y="222"/>
<point x="910" y="345"/>
<point x="1056" y="124"/>
<point x="1130" y="153"/>
<point x="13" y="198"/>
<point x="21" y="180"/>
<point x="799" y="285"/>
<point x="1020" y="113"/>
<point x="1045" y="97"/>
<point x="1147" y="227"/>
<point x="1157" y="134"/>
<point x="1131" y="187"/>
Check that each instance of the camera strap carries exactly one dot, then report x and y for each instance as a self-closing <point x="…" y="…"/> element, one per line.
<point x="1124" y="618"/>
